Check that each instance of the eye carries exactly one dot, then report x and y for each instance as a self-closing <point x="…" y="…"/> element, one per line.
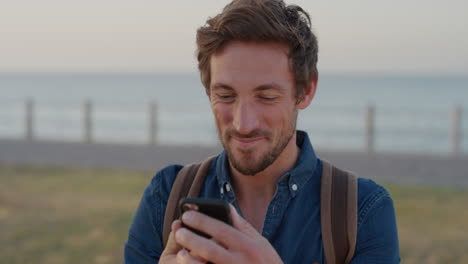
<point x="268" y="98"/>
<point x="225" y="97"/>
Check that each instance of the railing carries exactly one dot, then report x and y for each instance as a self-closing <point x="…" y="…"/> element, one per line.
<point x="88" y="122"/>
<point x="454" y="131"/>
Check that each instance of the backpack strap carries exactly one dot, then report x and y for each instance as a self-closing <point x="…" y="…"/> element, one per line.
<point x="338" y="207"/>
<point x="338" y="214"/>
<point x="188" y="183"/>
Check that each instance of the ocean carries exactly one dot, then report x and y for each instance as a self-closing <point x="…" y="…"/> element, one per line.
<point x="412" y="112"/>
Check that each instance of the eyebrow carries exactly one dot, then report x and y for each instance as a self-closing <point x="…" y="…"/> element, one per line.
<point x="263" y="87"/>
<point x="221" y="86"/>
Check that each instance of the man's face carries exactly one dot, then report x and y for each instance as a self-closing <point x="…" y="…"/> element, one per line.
<point x="253" y="99"/>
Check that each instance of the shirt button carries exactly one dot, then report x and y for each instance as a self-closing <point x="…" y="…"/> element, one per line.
<point x="294" y="187"/>
<point x="228" y="187"/>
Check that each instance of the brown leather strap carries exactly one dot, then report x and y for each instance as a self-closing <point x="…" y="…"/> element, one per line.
<point x="200" y="178"/>
<point x="352" y="215"/>
<point x="188" y="183"/>
<point x="338" y="214"/>
<point x="338" y="207"/>
<point x="325" y="212"/>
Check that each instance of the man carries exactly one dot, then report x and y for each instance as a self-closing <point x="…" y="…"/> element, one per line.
<point x="257" y="61"/>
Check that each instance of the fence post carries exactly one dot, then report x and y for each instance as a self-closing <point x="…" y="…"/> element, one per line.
<point x="152" y="123"/>
<point x="455" y="127"/>
<point x="29" y="122"/>
<point x="88" y="122"/>
<point x="369" y="127"/>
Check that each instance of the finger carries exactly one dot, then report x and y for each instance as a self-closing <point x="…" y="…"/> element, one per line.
<point x="223" y="233"/>
<point x="204" y="248"/>
<point x="183" y="257"/>
<point x="242" y="225"/>
<point x="172" y="247"/>
<point x="176" y="225"/>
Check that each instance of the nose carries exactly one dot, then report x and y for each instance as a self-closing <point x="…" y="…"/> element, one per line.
<point x="245" y="118"/>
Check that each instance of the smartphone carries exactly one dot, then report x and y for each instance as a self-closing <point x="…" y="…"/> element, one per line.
<point x="214" y="208"/>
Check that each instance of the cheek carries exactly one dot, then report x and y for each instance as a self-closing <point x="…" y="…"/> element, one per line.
<point x="222" y="114"/>
<point x="277" y="116"/>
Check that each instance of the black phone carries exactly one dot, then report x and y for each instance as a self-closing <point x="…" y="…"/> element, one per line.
<point x="215" y="208"/>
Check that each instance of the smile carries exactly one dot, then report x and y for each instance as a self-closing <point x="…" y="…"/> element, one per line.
<point x="247" y="142"/>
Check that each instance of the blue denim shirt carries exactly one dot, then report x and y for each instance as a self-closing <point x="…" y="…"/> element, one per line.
<point x="292" y="222"/>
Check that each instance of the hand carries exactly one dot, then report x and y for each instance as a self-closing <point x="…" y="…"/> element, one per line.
<point x="174" y="253"/>
<point x="239" y="243"/>
<point x="169" y="255"/>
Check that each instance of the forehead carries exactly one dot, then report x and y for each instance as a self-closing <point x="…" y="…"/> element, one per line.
<point x="249" y="64"/>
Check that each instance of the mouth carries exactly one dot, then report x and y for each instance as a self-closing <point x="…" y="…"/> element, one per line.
<point x="247" y="142"/>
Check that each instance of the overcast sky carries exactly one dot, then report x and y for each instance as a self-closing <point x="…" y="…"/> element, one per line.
<point x="368" y="36"/>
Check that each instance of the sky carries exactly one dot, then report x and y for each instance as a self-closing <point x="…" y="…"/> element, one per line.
<point x="367" y="36"/>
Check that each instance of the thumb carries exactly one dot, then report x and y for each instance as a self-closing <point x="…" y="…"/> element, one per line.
<point x="172" y="247"/>
<point x="242" y="225"/>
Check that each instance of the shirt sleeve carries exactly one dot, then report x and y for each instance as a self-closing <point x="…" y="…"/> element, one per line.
<point x="144" y="244"/>
<point x="377" y="239"/>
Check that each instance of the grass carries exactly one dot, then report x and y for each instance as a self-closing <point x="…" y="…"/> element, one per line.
<point x="60" y="215"/>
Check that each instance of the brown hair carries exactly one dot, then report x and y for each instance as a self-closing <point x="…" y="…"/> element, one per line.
<point x="263" y="21"/>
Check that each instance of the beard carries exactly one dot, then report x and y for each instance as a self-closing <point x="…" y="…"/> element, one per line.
<point x="244" y="161"/>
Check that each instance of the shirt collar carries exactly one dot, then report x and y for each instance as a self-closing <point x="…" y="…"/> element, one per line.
<point x="295" y="178"/>
<point x="305" y="167"/>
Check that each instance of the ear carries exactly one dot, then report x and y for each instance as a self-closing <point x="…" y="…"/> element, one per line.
<point x="309" y="93"/>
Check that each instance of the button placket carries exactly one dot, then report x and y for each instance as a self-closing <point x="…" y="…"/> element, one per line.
<point x="294" y="187"/>
<point x="227" y="186"/>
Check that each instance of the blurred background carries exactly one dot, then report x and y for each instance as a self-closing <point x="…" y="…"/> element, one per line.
<point x="98" y="95"/>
